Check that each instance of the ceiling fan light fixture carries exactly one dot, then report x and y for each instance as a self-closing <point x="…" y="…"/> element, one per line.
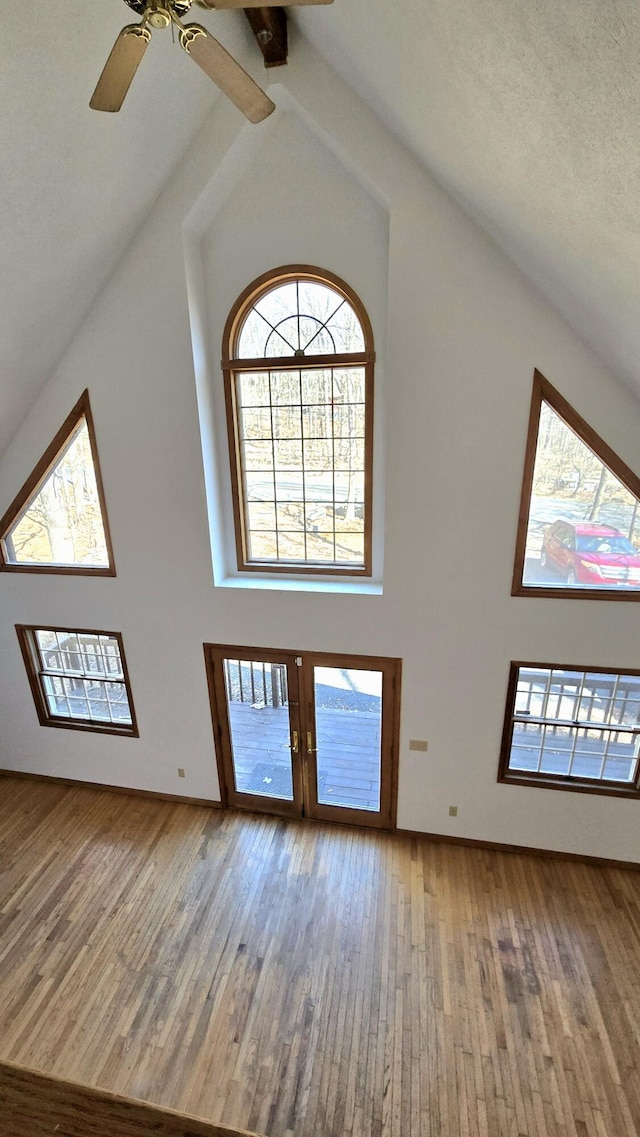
<point x="157" y="14"/>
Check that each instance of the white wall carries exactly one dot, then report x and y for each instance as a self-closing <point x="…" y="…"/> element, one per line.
<point x="295" y="204"/>
<point x="460" y="337"/>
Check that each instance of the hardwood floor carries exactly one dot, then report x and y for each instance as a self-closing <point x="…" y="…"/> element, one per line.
<point x="298" y="978"/>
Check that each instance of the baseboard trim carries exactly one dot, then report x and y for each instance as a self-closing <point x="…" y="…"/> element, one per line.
<point x="76" y="783"/>
<point x="526" y="850"/>
<point x="439" y="838"/>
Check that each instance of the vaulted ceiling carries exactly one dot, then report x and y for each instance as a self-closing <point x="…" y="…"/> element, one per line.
<point x="529" y="114"/>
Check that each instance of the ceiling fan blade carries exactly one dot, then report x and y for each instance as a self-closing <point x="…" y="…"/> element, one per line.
<point x="226" y="72"/>
<point x="212" y="4"/>
<point x="120" y="68"/>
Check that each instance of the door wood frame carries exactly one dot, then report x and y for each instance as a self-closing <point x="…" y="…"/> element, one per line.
<point x="390" y="669"/>
<point x="302" y="718"/>
<point x="216" y="653"/>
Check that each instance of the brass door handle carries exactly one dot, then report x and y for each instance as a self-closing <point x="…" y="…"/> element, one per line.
<point x="294" y="744"/>
<point x="311" y="749"/>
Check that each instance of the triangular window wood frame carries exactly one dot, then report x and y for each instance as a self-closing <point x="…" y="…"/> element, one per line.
<point x="533" y="563"/>
<point x="32" y="488"/>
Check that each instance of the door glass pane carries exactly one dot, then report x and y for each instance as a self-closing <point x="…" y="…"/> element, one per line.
<point x="348" y="733"/>
<point x="258" y="702"/>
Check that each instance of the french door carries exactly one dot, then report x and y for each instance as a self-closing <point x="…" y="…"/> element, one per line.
<point x="306" y="734"/>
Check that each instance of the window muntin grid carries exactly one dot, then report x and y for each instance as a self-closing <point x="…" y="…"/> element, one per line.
<point x="81" y="676"/>
<point x="302" y="452"/>
<point x="582" y="726"/>
<point x="300" y="317"/>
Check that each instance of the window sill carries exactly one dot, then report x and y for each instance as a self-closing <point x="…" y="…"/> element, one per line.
<point x="604" y="789"/>
<point x="302" y="584"/>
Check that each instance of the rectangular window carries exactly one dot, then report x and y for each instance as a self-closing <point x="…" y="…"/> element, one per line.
<point x="572" y="728"/>
<point x="79" y="679"/>
<point x="302" y="466"/>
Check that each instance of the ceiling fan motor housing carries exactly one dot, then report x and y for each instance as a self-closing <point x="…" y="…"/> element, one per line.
<point x="179" y="7"/>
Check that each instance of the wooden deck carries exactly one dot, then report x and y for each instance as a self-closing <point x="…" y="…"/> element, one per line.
<point x="306" y="980"/>
<point x="348" y="754"/>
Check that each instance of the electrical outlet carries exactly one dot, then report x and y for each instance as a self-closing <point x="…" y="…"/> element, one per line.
<point x="180" y="772"/>
<point x="418" y="744"/>
<point x="453" y="811"/>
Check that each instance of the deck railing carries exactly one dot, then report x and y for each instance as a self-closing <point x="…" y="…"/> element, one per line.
<point x="260" y="684"/>
<point x="617" y="697"/>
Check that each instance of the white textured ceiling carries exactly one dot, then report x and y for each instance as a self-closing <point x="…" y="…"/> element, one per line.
<point x="528" y="112"/>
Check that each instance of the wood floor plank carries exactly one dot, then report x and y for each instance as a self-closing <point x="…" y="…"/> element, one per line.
<point x="291" y="978"/>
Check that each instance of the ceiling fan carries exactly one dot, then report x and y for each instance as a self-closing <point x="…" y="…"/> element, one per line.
<point x="211" y="56"/>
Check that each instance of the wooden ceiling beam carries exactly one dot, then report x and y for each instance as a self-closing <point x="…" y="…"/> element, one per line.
<point x="269" y="26"/>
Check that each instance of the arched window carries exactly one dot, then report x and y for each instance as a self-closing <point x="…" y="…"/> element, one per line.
<point x="298" y="364"/>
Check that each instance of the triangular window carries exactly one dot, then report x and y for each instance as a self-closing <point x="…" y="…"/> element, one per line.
<point x="58" y="521"/>
<point x="579" y="532"/>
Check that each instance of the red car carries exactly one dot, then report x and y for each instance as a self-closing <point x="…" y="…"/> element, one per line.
<point x="589" y="554"/>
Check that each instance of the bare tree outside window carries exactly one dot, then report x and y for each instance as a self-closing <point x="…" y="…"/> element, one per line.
<point x="58" y="521"/>
<point x="63" y="524"/>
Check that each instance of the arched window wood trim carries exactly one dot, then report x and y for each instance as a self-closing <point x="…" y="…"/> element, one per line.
<point x="351" y="552"/>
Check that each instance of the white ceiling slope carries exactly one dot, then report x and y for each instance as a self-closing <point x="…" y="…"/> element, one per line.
<point x="75" y="184"/>
<point x="528" y="112"/>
